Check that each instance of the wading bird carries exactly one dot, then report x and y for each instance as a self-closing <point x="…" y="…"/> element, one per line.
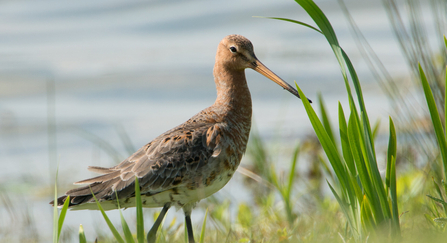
<point x="193" y="160"/>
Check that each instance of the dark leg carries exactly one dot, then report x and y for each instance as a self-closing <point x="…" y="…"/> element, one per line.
<point x="152" y="234"/>
<point x="189" y="226"/>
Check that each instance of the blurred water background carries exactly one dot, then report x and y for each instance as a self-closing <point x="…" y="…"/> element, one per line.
<point x="78" y="76"/>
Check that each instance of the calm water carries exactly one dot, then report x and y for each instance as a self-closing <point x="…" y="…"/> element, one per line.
<point x="143" y="67"/>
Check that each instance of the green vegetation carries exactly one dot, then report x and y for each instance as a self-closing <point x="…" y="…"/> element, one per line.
<point x="367" y="202"/>
<point x="367" y="206"/>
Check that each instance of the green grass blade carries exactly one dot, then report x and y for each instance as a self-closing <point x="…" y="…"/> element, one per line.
<point x="354" y="137"/>
<point x="358" y="89"/>
<point x="367" y="215"/>
<point x="376" y="130"/>
<point x="202" y="232"/>
<point x="364" y="175"/>
<point x="393" y="193"/>
<point x="124" y="225"/>
<point x="343" y="206"/>
<point x="320" y="19"/>
<point x="347" y="154"/>
<point x="437" y="188"/>
<point x="347" y="191"/>
<point x="438" y="200"/>
<point x="325" y="118"/>
<point x="323" y="23"/>
<point x="62" y="217"/>
<point x="434" y="208"/>
<point x="445" y="98"/>
<point x="296" y="22"/>
<point x="327" y="144"/>
<point x="436" y="120"/>
<point x="292" y="172"/>
<point x="366" y="134"/>
<point x="444" y="185"/>
<point x="326" y="28"/>
<point x="82" y="238"/>
<point x="430" y="220"/>
<point x="109" y="223"/>
<point x="379" y="201"/>
<point x="357" y="190"/>
<point x="440" y="195"/>
<point x="139" y="206"/>
<point x="126" y="230"/>
<point x="326" y="167"/>
<point x="288" y="189"/>
<point x="273" y="178"/>
<point x="440" y="220"/>
<point x="392" y="148"/>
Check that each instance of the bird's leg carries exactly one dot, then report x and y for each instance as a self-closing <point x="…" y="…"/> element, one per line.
<point x="151" y="235"/>
<point x="189" y="224"/>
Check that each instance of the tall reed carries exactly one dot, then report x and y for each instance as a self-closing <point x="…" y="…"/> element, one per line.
<point x="368" y="202"/>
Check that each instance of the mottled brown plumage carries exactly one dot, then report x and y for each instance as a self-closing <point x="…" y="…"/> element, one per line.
<point x="193" y="160"/>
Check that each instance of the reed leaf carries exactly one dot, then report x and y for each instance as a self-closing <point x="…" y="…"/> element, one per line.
<point x="139" y="208"/>
<point x="288" y="188"/>
<point x="393" y="192"/>
<point x="346" y="147"/>
<point x="62" y="217"/>
<point x="357" y="170"/>
<point x="344" y="208"/>
<point x="375" y="131"/>
<point x="436" y="120"/>
<point x="109" y="223"/>
<point x="82" y="238"/>
<point x="292" y="172"/>
<point x="127" y="233"/>
<point x="326" y="142"/>
<point x="367" y="218"/>
<point x="325" y="118"/>
<point x="392" y="148"/>
<point x="348" y="193"/>
<point x="444" y="203"/>
<point x="364" y="175"/>
<point x="124" y="225"/>
<point x="294" y="21"/>
<point x="202" y="232"/>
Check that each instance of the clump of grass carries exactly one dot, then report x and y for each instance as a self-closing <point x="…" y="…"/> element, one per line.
<point x="285" y="188"/>
<point x="368" y="202"/>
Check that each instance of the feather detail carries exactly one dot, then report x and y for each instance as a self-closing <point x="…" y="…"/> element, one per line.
<point x="99" y="170"/>
<point x="101" y="178"/>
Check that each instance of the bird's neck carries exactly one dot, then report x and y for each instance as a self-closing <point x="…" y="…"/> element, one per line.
<point x="233" y="96"/>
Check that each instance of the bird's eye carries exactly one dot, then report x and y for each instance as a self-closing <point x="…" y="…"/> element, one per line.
<point x="233" y="49"/>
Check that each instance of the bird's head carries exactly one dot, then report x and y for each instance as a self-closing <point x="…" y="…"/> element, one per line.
<point x="236" y="53"/>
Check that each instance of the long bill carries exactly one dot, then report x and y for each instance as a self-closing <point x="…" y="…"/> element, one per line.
<point x="262" y="69"/>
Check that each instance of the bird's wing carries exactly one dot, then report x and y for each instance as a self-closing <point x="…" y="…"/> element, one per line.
<point x="166" y="162"/>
